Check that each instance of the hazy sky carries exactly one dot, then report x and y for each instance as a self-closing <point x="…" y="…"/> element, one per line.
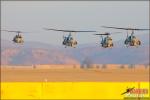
<point x="32" y="16"/>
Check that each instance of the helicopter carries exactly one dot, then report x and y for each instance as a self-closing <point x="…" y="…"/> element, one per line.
<point x="69" y="40"/>
<point x="106" y="42"/>
<point x="131" y="40"/>
<point x="18" y="38"/>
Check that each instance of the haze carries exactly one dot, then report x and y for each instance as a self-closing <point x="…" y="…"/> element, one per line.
<point x="32" y="16"/>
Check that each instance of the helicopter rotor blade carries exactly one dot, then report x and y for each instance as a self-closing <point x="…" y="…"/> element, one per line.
<point x="136" y="29"/>
<point x="12" y="31"/>
<point x="67" y="30"/>
<point x="102" y="34"/>
<point x="15" y="31"/>
<point x="115" y="28"/>
<point x="4" y="30"/>
<point x="107" y="33"/>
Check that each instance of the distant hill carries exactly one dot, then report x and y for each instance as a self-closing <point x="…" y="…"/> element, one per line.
<point x="41" y="53"/>
<point x="33" y="53"/>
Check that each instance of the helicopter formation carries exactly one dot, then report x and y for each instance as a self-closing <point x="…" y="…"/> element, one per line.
<point x="106" y="42"/>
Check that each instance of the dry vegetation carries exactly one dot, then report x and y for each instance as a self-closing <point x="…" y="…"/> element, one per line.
<point x="65" y="73"/>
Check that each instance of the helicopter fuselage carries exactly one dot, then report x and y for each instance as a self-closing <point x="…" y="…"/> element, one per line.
<point x="69" y="41"/>
<point x="132" y="41"/>
<point x="18" y="39"/>
<point x="107" y="42"/>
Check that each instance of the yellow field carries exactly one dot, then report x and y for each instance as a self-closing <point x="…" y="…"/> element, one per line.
<point x="69" y="90"/>
<point x="59" y="82"/>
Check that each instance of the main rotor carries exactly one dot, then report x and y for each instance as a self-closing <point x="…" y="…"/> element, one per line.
<point x="14" y="31"/>
<point x="107" y="33"/>
<point x="70" y="31"/>
<point x="134" y="29"/>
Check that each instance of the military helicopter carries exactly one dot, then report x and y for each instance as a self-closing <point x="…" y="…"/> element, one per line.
<point x="130" y="40"/>
<point x="18" y="38"/>
<point x="106" y="42"/>
<point x="69" y="40"/>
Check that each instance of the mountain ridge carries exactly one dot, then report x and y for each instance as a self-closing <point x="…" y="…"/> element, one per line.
<point x="41" y="53"/>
